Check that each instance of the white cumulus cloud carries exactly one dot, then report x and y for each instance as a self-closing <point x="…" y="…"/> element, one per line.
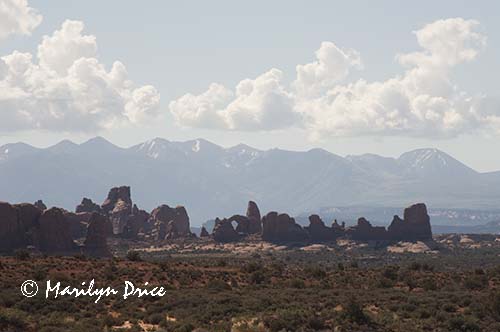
<point x="16" y="17"/>
<point x="255" y="104"/>
<point x="66" y="88"/>
<point x="420" y="101"/>
<point x="332" y="66"/>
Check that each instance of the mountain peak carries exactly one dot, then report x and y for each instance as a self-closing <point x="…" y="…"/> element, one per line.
<point x="98" y="142"/>
<point x="242" y="148"/>
<point x="200" y="145"/>
<point x="12" y="150"/>
<point x="435" y="161"/>
<point x="421" y="157"/>
<point x="65" y="145"/>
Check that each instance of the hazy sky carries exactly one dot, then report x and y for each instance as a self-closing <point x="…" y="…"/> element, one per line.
<point x="352" y="77"/>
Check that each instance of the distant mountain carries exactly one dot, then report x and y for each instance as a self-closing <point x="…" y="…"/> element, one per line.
<point x="454" y="218"/>
<point x="214" y="181"/>
<point x="492" y="227"/>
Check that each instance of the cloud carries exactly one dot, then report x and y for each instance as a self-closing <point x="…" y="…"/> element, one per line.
<point x="258" y="104"/>
<point x="59" y="51"/>
<point x="67" y="89"/>
<point x="332" y="66"/>
<point x="16" y="17"/>
<point x="421" y="101"/>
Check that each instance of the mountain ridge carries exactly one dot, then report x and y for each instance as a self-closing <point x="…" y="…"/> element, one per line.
<point x="101" y="140"/>
<point x="211" y="180"/>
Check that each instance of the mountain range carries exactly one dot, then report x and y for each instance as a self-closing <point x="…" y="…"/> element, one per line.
<point x="214" y="181"/>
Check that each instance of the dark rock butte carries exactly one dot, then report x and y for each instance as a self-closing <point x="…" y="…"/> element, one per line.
<point x="224" y="231"/>
<point x="97" y="232"/>
<point x="282" y="228"/>
<point x="319" y="232"/>
<point x="40" y="204"/>
<point x="253" y="214"/>
<point x="415" y="226"/>
<point x="87" y="206"/>
<point x="118" y="206"/>
<point x="11" y="228"/>
<point x="54" y="234"/>
<point x="170" y="223"/>
<point x="364" y="231"/>
<point x="204" y="232"/>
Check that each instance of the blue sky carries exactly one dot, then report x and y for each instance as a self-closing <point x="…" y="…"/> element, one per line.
<point x="183" y="47"/>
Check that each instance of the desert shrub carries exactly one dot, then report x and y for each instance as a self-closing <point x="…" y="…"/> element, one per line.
<point x="494" y="305"/>
<point x="252" y="267"/>
<point x="134" y="256"/>
<point x="297" y="283"/>
<point x="424" y="313"/>
<point x="316" y="323"/>
<point x="12" y="320"/>
<point x="460" y="324"/>
<point x="286" y="320"/>
<point x="476" y="282"/>
<point x="384" y="283"/>
<point x="429" y="284"/>
<point x="354" y="313"/>
<point x="155" y="318"/>
<point x="315" y="272"/>
<point x="218" y="284"/>
<point x="221" y="263"/>
<point x="427" y="267"/>
<point x="391" y="272"/>
<point x="449" y="307"/>
<point x="22" y="254"/>
<point x="415" y="266"/>
<point x="258" y="277"/>
<point x="62" y="276"/>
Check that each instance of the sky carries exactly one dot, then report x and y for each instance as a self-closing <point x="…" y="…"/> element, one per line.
<point x="351" y="77"/>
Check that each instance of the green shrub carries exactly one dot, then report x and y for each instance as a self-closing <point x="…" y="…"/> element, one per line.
<point x="134" y="256"/>
<point x="460" y="324"/>
<point x="12" y="320"/>
<point x="22" y="254"/>
<point x="354" y="313"/>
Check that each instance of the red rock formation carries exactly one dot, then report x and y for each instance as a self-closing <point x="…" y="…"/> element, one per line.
<point x="253" y="214"/>
<point x="242" y="223"/>
<point x="116" y="195"/>
<point x="28" y="215"/>
<point x="118" y="205"/>
<point x="338" y="229"/>
<point x="97" y="232"/>
<point x="414" y="227"/>
<point x="78" y="223"/>
<point x="87" y="206"/>
<point x="224" y="231"/>
<point x="364" y="231"/>
<point x="170" y="223"/>
<point x="281" y="228"/>
<point x="249" y="224"/>
<point x="318" y="232"/>
<point x="11" y="228"/>
<point x="39" y="204"/>
<point x="54" y="234"/>
<point x="137" y="223"/>
<point x="204" y="232"/>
